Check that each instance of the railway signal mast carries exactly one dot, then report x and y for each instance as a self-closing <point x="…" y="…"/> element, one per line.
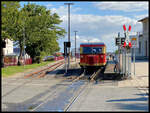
<point x="124" y="49"/>
<point x="69" y="30"/>
<point x="127" y="52"/>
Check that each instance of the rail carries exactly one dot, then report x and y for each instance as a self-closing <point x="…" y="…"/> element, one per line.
<point x="42" y="73"/>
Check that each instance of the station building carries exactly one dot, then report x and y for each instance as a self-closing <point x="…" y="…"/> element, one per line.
<point x="142" y="52"/>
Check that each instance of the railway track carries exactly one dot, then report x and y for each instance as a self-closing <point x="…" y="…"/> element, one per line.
<point x="91" y="78"/>
<point x="43" y="72"/>
<point x="56" y="90"/>
<point x="37" y="74"/>
<point x="60" y="88"/>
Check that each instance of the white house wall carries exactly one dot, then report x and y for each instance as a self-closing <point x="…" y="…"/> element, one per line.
<point x="145" y="36"/>
<point x="9" y="47"/>
<point x="143" y="39"/>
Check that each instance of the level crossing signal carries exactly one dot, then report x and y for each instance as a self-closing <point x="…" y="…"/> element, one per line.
<point x="130" y="45"/>
<point x="66" y="45"/>
<point x="127" y="42"/>
<point x="120" y="41"/>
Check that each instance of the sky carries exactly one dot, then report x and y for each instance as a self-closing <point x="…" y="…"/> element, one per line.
<point x="97" y="21"/>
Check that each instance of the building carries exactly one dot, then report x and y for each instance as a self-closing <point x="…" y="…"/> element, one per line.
<point x="142" y="52"/>
<point x="9" y="47"/>
<point x="144" y="38"/>
<point x="17" y="52"/>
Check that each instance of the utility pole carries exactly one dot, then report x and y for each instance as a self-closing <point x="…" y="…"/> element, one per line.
<point x="68" y="30"/>
<point x="75" y="45"/>
<point x="119" y="52"/>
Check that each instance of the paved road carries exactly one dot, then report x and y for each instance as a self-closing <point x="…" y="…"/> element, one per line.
<point x="53" y="93"/>
<point x="109" y="97"/>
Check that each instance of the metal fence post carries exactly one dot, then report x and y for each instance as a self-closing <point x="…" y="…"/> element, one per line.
<point x="66" y="64"/>
<point x="134" y="61"/>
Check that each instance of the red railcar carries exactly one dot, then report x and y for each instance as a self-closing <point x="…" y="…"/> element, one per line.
<point x="92" y="55"/>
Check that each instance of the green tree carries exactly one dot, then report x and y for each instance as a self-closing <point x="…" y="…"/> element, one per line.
<point x="116" y="52"/>
<point x="33" y="27"/>
<point x="9" y="11"/>
<point x="42" y="31"/>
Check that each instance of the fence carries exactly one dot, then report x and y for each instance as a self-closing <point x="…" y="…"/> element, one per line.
<point x="58" y="58"/>
<point x="125" y="62"/>
<point x="13" y="60"/>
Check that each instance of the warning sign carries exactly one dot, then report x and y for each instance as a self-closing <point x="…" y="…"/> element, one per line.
<point x="134" y="42"/>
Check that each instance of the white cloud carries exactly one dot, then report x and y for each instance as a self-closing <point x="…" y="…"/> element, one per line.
<point x="138" y="17"/>
<point x="96" y="27"/>
<point x="60" y="11"/>
<point x="123" y="6"/>
<point x="49" y="6"/>
<point x="63" y="10"/>
<point x="99" y="28"/>
<point x="93" y="25"/>
<point x="94" y="40"/>
<point x="88" y="39"/>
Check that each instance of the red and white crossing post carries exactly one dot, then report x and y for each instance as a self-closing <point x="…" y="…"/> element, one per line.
<point x="127" y="51"/>
<point x="127" y="44"/>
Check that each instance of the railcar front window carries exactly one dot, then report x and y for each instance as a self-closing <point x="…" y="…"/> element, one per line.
<point x="91" y="50"/>
<point x="87" y="50"/>
<point x="97" y="50"/>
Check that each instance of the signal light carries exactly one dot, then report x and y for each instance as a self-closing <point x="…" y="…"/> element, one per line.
<point x="124" y="45"/>
<point x="124" y="27"/>
<point x="129" y="28"/>
<point x="130" y="45"/>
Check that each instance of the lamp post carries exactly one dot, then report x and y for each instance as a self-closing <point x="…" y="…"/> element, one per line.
<point x="75" y="45"/>
<point x="68" y="30"/>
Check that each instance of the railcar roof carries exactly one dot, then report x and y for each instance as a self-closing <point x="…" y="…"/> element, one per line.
<point x="93" y="43"/>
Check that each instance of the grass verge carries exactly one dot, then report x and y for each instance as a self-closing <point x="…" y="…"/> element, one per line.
<point x="11" y="70"/>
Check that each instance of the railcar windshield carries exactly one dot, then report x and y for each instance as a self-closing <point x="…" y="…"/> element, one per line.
<point x="96" y="50"/>
<point x="87" y="50"/>
<point x="91" y="50"/>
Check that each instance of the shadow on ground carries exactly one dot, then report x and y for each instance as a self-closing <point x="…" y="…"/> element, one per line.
<point x="139" y="104"/>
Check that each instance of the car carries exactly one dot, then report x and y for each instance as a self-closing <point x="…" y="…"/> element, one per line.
<point x="48" y="58"/>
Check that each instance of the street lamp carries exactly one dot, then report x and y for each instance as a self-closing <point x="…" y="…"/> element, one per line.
<point x="68" y="29"/>
<point x="75" y="45"/>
